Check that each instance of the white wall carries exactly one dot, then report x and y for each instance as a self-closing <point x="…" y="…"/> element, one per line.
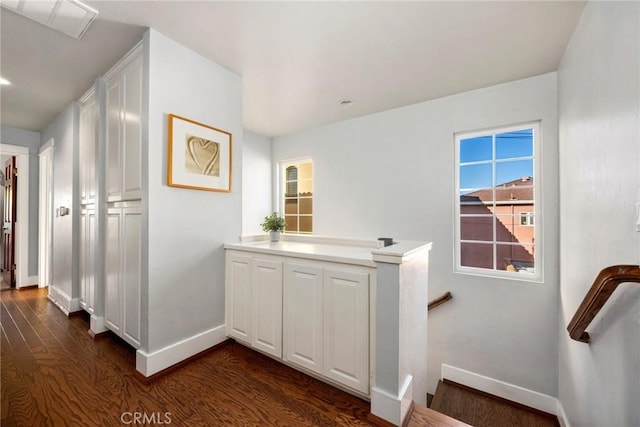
<point x="391" y="174"/>
<point x="63" y="130"/>
<point x="187" y="228"/>
<point x="257" y="171"/>
<point x="25" y="138"/>
<point x="599" y="92"/>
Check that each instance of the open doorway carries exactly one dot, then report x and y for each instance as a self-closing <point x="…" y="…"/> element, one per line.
<point x="20" y="225"/>
<point x="9" y="182"/>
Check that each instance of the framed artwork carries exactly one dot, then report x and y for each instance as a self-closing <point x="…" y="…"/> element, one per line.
<point x="199" y="156"/>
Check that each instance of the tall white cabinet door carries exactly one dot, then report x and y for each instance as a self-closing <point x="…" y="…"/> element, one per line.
<point x="90" y="250"/>
<point x="303" y="316"/>
<point x="238" y="298"/>
<point x="88" y="138"/>
<point x="87" y="258"/>
<point x="123" y="253"/>
<point x="112" y="270"/>
<point x="124" y="131"/>
<point x="267" y="306"/>
<point x="131" y="247"/>
<point x="83" y="258"/>
<point x="132" y="131"/>
<point x="114" y="140"/>
<point x="346" y="328"/>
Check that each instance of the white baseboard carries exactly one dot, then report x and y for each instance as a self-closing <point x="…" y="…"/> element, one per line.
<point x="97" y="324"/>
<point x="29" y="281"/>
<point x="392" y="408"/>
<point x="63" y="301"/>
<point x="150" y="363"/>
<point x="562" y="416"/>
<point x="512" y="392"/>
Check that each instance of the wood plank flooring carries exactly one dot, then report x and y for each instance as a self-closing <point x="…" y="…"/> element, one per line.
<point x="483" y="410"/>
<point x="55" y="374"/>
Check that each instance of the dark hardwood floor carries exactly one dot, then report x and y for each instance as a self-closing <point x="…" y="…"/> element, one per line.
<point x="54" y="374"/>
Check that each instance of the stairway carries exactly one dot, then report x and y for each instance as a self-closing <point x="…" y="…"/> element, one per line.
<point x="480" y="409"/>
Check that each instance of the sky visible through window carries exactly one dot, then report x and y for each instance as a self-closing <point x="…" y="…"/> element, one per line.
<point x="511" y="153"/>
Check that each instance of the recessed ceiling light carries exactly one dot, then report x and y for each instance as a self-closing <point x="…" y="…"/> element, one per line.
<point x="345" y="102"/>
<point x="4" y="81"/>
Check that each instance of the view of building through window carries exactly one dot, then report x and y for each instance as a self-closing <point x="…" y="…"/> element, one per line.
<point x="298" y="196"/>
<point x="496" y="200"/>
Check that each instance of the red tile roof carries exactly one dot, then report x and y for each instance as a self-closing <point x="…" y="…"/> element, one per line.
<point x="515" y="191"/>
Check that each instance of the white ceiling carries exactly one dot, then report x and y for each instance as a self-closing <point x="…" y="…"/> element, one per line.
<point x="297" y="59"/>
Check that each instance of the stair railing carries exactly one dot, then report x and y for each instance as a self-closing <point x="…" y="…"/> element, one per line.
<point x="606" y="282"/>
<point x="439" y="301"/>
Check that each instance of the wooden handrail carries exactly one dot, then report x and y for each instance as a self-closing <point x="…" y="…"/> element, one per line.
<point x="604" y="285"/>
<point x="439" y="301"/>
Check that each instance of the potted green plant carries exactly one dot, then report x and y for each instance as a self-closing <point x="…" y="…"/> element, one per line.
<point x="274" y="224"/>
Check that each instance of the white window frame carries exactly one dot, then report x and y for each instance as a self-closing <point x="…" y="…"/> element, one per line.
<point x="282" y="165"/>
<point x="538" y="274"/>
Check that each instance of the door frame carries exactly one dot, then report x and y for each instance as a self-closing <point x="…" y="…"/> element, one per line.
<point x="22" y="214"/>
<point x="45" y="214"/>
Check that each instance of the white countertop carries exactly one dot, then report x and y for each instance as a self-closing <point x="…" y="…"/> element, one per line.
<point x="359" y="252"/>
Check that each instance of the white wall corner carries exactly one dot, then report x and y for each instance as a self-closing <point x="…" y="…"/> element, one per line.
<point x="151" y="363"/>
<point x="530" y="398"/>
<point x="392" y="408"/>
<point x="562" y="416"/>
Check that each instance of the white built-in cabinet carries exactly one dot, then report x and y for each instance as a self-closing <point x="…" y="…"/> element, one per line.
<point x="124" y="130"/>
<point x="238" y="296"/>
<point x="87" y="172"/>
<point x="303" y="317"/>
<point x="123" y="193"/>
<point x="313" y="315"/>
<point x="266" y="277"/>
<point x="123" y="246"/>
<point x="254" y="302"/>
<point x="88" y="141"/>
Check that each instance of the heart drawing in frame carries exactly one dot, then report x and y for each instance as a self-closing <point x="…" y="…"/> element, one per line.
<point x="202" y="156"/>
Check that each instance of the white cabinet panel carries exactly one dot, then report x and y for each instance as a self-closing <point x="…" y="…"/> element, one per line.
<point x="113" y="138"/>
<point x="123" y="251"/>
<point x="112" y="270"/>
<point x="87" y="258"/>
<point x="346" y="328"/>
<point x="267" y="305"/>
<point x="132" y="137"/>
<point x="131" y="259"/>
<point x="238" y="298"/>
<point x="124" y="132"/>
<point x="88" y="139"/>
<point x="303" y="316"/>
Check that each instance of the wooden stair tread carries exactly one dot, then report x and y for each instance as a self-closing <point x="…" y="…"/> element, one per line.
<point x="425" y="417"/>
<point x="485" y="410"/>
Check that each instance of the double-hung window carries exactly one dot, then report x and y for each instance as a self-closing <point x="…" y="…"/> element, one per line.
<point x="497" y="209"/>
<point x="297" y="196"/>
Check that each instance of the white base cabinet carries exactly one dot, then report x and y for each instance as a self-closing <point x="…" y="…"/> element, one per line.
<point x="303" y="317"/>
<point x="254" y="302"/>
<point x="123" y="271"/>
<point x="238" y="297"/>
<point x="313" y="315"/>
<point x="266" y="279"/>
<point x="346" y="327"/>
